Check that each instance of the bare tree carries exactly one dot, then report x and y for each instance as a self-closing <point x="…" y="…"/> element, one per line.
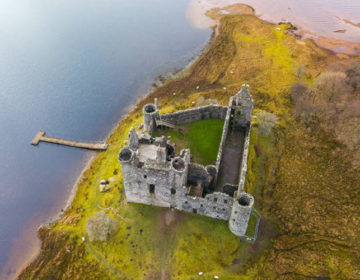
<point x="101" y="226"/>
<point x="267" y="121"/>
<point x="305" y="107"/>
<point x="330" y="86"/>
<point x="353" y="76"/>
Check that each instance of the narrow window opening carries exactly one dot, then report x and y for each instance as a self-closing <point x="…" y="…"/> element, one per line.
<point x="145" y="176"/>
<point x="173" y="191"/>
<point x="152" y="188"/>
<point x="194" y="210"/>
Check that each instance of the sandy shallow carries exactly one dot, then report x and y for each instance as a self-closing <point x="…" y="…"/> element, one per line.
<point x="334" y="26"/>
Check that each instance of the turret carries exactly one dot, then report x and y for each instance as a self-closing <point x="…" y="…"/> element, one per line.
<point x="126" y="155"/>
<point x="150" y="113"/>
<point x="240" y="213"/>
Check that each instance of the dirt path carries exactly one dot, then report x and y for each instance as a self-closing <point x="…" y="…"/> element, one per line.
<point x="168" y="222"/>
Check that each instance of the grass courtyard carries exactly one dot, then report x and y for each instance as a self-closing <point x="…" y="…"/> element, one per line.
<point x="201" y="137"/>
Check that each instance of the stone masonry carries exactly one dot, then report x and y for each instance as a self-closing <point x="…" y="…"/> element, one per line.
<point x="153" y="174"/>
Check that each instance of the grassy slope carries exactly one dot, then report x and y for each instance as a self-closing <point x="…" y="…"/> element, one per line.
<point x="303" y="185"/>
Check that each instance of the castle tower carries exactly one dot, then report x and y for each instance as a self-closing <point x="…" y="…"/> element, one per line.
<point x="240" y="213"/>
<point x="133" y="139"/>
<point x="179" y="166"/>
<point x="126" y="157"/>
<point x="150" y="113"/>
<point x="180" y="170"/>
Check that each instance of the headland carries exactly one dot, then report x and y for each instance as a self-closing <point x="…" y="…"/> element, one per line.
<point x="298" y="172"/>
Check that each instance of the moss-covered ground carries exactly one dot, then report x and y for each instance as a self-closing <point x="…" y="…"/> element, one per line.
<point x="303" y="182"/>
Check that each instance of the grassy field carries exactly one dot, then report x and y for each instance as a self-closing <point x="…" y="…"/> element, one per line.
<point x="303" y="185"/>
<point x="201" y="137"/>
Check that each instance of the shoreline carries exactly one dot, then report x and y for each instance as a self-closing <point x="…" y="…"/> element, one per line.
<point x="126" y="112"/>
<point x="57" y="216"/>
<point x="129" y="109"/>
<point x="285" y="14"/>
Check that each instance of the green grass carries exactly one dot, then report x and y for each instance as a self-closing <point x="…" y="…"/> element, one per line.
<point x="201" y="137"/>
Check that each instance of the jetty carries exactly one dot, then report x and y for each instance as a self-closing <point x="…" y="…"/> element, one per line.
<point x="40" y="137"/>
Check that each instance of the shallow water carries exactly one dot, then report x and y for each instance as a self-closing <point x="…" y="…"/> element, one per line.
<point x="318" y="16"/>
<point x="70" y="68"/>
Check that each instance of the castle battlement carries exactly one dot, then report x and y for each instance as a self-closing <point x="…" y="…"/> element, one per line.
<point x="153" y="174"/>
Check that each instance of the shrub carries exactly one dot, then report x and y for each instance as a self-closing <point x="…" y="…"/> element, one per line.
<point x="300" y="71"/>
<point x="101" y="226"/>
<point x="266" y="122"/>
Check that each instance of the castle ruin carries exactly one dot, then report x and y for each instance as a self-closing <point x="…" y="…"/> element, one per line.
<point x="153" y="174"/>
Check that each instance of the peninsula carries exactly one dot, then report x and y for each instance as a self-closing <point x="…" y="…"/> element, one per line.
<point x="302" y="171"/>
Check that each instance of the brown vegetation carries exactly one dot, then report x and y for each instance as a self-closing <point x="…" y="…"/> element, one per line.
<point x="333" y="104"/>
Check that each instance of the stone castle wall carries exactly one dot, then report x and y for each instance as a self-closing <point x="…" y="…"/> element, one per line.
<point x="138" y="182"/>
<point x="168" y="183"/>
<point x="224" y="135"/>
<point x="215" y="205"/>
<point x="243" y="167"/>
<point x="169" y="192"/>
<point x="196" y="114"/>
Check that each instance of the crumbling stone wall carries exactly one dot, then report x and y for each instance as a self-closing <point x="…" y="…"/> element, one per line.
<point x="215" y="205"/>
<point x="196" y="114"/>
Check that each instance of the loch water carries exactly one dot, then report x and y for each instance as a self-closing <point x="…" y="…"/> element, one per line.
<point x="72" y="68"/>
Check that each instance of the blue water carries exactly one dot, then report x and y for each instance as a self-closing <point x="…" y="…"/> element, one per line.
<point x="70" y="68"/>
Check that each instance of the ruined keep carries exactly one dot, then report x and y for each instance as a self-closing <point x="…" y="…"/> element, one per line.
<point x="153" y="174"/>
